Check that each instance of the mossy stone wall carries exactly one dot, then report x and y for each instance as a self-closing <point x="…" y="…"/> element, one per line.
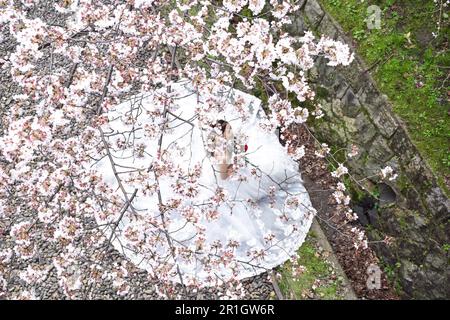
<point x="414" y="210"/>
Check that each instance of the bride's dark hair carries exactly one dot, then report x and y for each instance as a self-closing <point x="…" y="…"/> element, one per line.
<point x="222" y="124"/>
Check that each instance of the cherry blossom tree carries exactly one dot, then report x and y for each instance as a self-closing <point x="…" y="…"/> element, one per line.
<point x="69" y="78"/>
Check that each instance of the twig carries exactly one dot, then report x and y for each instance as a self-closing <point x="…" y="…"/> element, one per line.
<point x="379" y="61"/>
<point x="125" y="208"/>
<point x="105" y="90"/>
<point x="275" y="286"/>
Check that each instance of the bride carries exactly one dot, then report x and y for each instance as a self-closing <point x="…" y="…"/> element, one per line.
<point x="223" y="155"/>
<point x="262" y="213"/>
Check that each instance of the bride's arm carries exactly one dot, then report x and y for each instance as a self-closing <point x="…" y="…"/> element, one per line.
<point x="225" y="167"/>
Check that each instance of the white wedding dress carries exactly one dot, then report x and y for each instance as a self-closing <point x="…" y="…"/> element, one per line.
<point x="259" y="204"/>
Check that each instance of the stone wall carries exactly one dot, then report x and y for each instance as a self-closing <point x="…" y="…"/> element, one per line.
<point x="413" y="210"/>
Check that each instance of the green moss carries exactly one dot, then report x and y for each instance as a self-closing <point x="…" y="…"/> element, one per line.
<point x="322" y="93"/>
<point x="392" y="273"/>
<point x="317" y="273"/>
<point x="246" y="12"/>
<point x="403" y="224"/>
<point x="374" y="234"/>
<point x="408" y="64"/>
<point x="328" y="292"/>
<point x="260" y="92"/>
<point x="403" y="183"/>
<point x="355" y="192"/>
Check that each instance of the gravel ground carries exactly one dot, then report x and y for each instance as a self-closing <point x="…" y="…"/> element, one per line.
<point x="141" y="285"/>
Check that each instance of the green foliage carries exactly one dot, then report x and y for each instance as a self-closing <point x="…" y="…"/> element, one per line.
<point x="317" y="273"/>
<point x="391" y="271"/>
<point x="409" y="65"/>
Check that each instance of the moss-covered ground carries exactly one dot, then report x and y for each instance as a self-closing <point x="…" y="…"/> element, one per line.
<point x="318" y="280"/>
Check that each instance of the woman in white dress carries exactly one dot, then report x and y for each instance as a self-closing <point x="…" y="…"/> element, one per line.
<point x="223" y="156"/>
<point x="267" y="212"/>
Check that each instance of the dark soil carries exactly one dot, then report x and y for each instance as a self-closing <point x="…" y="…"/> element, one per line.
<point x="320" y="184"/>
